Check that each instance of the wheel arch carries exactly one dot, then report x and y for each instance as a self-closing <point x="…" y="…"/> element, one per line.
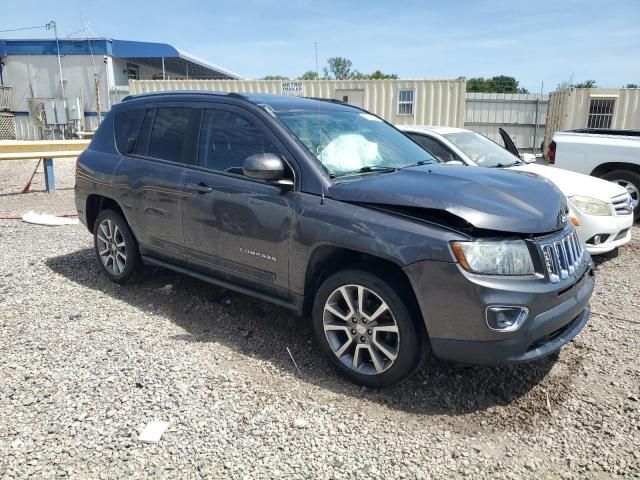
<point x="97" y="203"/>
<point x="325" y="260"/>
<point x="607" y="167"/>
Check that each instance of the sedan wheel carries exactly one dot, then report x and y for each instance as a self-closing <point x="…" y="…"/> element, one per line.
<point x="361" y="329"/>
<point x="112" y="247"/>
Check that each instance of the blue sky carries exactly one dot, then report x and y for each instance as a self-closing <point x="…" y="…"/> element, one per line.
<point x="538" y="41"/>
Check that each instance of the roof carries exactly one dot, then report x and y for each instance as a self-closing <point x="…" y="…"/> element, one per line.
<point x="277" y="103"/>
<point x="289" y="102"/>
<point x="429" y="128"/>
<point x="176" y="61"/>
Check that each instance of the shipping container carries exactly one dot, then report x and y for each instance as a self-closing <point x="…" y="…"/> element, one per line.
<point x="402" y="102"/>
<point x="592" y="108"/>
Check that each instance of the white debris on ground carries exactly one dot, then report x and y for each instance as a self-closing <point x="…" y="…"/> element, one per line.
<point x="47" y="219"/>
<point x="153" y="431"/>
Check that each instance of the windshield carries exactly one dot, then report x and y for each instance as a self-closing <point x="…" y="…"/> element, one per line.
<point x="481" y="150"/>
<point x="352" y="142"/>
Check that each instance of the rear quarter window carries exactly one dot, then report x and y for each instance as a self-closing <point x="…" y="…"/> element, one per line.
<point x="126" y="126"/>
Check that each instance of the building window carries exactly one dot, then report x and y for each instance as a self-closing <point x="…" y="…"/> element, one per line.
<point x="600" y="113"/>
<point x="133" y="72"/>
<point x="405" y="101"/>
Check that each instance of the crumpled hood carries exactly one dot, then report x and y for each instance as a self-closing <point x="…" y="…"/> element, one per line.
<point x="487" y="198"/>
<point x="572" y="183"/>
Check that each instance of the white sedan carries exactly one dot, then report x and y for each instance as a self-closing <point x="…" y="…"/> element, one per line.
<point x="600" y="210"/>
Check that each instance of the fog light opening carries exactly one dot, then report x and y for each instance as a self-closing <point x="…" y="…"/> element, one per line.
<point x="598" y="239"/>
<point x="502" y="318"/>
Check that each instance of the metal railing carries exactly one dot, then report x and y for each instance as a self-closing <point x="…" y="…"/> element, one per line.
<point x="6" y="102"/>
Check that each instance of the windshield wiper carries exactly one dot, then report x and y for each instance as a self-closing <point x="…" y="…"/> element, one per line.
<point x="366" y="169"/>
<point x="420" y="163"/>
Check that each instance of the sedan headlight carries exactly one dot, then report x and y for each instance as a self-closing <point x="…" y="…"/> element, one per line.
<point x="591" y="206"/>
<point x="508" y="257"/>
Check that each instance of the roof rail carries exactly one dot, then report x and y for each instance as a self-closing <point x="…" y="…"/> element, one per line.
<point x="182" y="92"/>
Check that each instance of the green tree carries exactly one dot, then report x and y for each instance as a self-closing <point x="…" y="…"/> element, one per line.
<point x="585" y="84"/>
<point x="497" y="84"/>
<point x="309" y="75"/>
<point x="632" y="85"/>
<point x="274" y="77"/>
<point x="339" y="67"/>
<point x="505" y="84"/>
<point x="479" y="84"/>
<point x="378" y="75"/>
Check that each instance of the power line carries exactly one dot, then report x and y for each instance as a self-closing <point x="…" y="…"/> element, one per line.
<point x="24" y="28"/>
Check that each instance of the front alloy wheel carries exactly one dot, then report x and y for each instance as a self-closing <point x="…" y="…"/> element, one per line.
<point x="370" y="330"/>
<point x="361" y="329"/>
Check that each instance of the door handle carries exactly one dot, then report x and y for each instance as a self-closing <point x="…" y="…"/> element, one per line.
<point x="199" y="187"/>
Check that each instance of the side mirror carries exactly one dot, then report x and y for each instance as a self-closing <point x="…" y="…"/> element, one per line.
<point x="454" y="162"/>
<point x="263" y="166"/>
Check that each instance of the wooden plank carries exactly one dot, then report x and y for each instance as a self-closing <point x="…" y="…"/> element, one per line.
<point x="39" y="155"/>
<point x="23" y="146"/>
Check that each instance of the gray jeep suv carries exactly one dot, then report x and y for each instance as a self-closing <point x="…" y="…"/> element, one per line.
<point x="328" y="210"/>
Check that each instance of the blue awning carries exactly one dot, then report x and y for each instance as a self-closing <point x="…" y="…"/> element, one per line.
<point x="176" y="61"/>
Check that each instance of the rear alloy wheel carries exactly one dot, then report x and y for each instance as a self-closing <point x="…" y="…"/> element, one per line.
<point x="630" y="181"/>
<point x="112" y="248"/>
<point x="116" y="248"/>
<point x="365" y="328"/>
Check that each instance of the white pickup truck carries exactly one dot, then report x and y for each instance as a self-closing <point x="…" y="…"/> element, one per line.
<point x="610" y="154"/>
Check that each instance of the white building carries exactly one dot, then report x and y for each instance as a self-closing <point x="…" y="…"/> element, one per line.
<point x="52" y="88"/>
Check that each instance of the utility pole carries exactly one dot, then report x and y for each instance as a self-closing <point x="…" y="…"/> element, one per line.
<point x="316" y="47"/>
<point x="50" y="25"/>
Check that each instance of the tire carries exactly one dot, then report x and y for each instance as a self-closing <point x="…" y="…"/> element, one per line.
<point x="109" y="226"/>
<point x="631" y="181"/>
<point x="342" y="332"/>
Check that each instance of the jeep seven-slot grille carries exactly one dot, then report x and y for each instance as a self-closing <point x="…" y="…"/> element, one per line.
<point x="622" y="204"/>
<point x="563" y="257"/>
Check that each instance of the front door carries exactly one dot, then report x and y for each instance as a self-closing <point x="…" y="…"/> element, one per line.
<point x="236" y="228"/>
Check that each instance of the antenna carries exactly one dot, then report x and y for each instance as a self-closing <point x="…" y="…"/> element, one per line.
<point x="315" y="44"/>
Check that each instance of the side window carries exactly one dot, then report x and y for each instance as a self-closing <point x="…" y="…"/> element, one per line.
<point x="434" y="147"/>
<point x="169" y="133"/>
<point x="142" y="144"/>
<point x="127" y="126"/>
<point x="227" y="138"/>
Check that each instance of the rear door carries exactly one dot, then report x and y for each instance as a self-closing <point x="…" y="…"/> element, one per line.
<point x="235" y="227"/>
<point x="149" y="179"/>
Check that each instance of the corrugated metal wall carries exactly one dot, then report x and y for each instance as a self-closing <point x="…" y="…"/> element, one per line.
<point x="569" y="108"/>
<point x="437" y="102"/>
<point x="517" y="113"/>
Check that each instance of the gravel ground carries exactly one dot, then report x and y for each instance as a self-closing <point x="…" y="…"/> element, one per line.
<point x="86" y="364"/>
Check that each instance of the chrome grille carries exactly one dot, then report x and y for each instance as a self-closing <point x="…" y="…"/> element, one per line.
<point x="563" y="257"/>
<point x="622" y="204"/>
